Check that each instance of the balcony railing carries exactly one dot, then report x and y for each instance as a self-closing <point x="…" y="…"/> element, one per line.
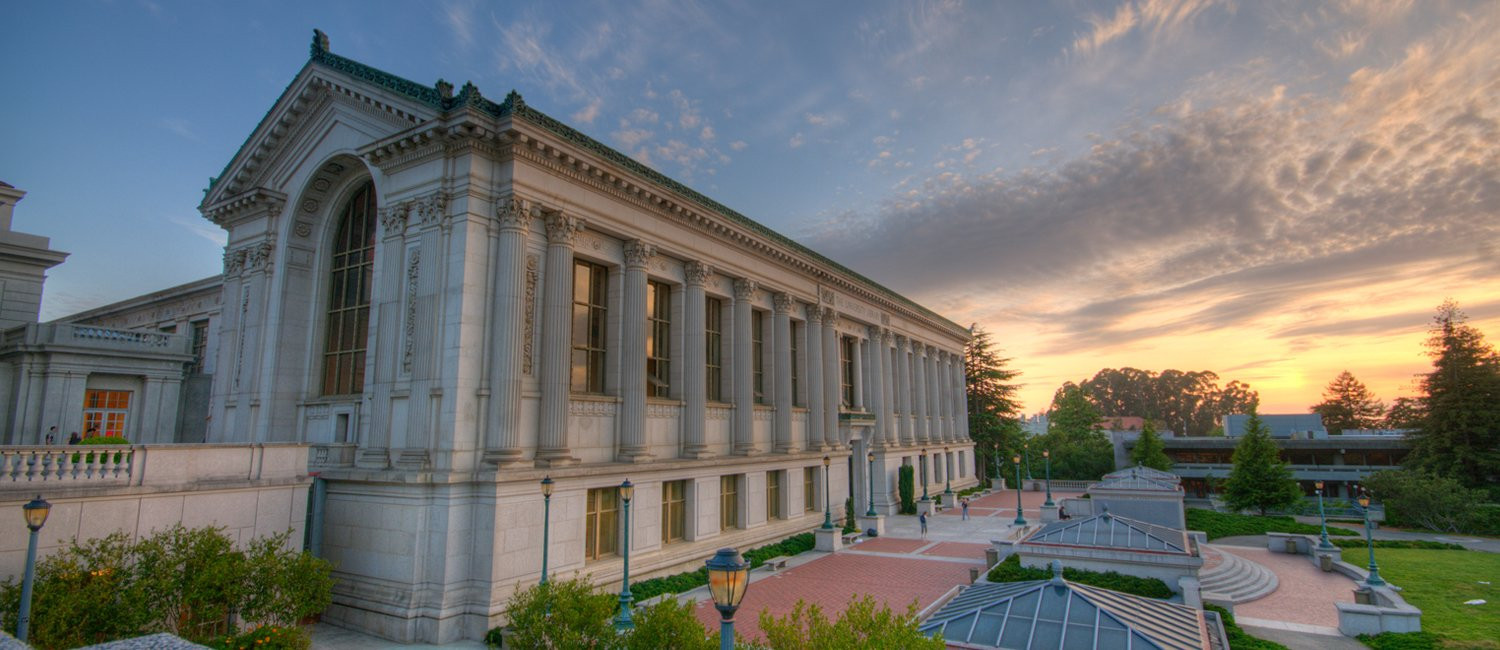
<point x="30" y="467"/>
<point x="89" y="336"/>
<point x="99" y="464"/>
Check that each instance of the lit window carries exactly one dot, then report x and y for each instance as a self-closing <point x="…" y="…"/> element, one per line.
<point x="589" y="294"/>
<point x="658" y="339"/>
<point x="105" y="412"/>
<point x="673" y="511"/>
<point x="601" y="528"/>
<point x="349" y="295"/>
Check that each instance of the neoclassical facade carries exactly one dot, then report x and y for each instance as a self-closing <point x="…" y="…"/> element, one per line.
<point x="452" y="298"/>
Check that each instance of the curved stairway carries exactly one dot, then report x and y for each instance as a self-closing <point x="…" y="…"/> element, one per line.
<point x="1234" y="579"/>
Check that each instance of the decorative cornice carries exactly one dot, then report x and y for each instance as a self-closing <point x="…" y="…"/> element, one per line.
<point x="250" y="203"/>
<point x="638" y="254"/>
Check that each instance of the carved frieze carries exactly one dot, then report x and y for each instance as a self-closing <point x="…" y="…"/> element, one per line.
<point x="409" y="331"/>
<point x="528" y="333"/>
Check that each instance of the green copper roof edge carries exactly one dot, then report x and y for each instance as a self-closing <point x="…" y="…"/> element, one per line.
<point x="514" y="106"/>
<point x="214" y="181"/>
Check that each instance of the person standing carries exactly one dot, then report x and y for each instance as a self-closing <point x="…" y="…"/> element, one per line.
<point x="965" y="504"/>
<point x="52" y="435"/>
<point x="922" y="519"/>
<point x="74" y="439"/>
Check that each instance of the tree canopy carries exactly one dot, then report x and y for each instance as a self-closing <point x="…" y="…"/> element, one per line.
<point x="1188" y="403"/>
<point x="1259" y="480"/>
<point x="1459" y="431"/>
<point x="993" y="407"/>
<point x="1149" y="450"/>
<point x="1080" y="449"/>
<point x="1347" y="405"/>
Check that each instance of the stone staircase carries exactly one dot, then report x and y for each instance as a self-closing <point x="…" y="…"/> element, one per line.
<point x="1234" y="579"/>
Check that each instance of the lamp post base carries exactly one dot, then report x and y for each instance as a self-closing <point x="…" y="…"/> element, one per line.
<point x="1049" y="513"/>
<point x="828" y="540"/>
<point x="867" y="522"/>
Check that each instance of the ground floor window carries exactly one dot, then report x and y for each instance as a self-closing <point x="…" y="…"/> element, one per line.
<point x="602" y="530"/>
<point x="729" y="498"/>
<point x="104" y="412"/>
<point x="773" y="494"/>
<point x="673" y="511"/>
<point x="809" y="487"/>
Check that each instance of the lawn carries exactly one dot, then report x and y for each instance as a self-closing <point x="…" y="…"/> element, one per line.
<point x="1438" y="582"/>
<point x="1225" y="524"/>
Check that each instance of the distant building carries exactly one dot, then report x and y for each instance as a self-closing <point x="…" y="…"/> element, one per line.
<point x="1339" y="461"/>
<point x="1034" y="425"/>
<point x="1300" y="426"/>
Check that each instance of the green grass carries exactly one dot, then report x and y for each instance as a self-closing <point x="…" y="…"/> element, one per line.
<point x="1226" y="524"/>
<point x="1438" y="583"/>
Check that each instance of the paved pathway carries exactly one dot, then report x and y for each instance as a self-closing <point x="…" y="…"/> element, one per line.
<point x="1305" y="595"/>
<point x="1471" y="542"/>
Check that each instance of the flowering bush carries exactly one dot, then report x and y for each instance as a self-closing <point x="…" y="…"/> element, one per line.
<point x="265" y="638"/>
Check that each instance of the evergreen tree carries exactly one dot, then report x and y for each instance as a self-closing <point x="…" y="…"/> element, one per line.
<point x="1080" y="449"/>
<point x="1405" y="413"/>
<point x="1259" y="479"/>
<point x="1150" y="451"/>
<point x="994" y="411"/>
<point x="1459" y="431"/>
<point x="1347" y="404"/>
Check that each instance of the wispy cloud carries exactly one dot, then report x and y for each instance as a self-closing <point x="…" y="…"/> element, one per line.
<point x="180" y="127"/>
<point x="1157" y="18"/>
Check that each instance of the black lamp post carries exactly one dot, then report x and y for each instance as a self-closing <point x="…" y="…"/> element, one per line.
<point x="924" y="474"/>
<point x="1020" y="521"/>
<point x="623" y="620"/>
<point x="827" y="505"/>
<point x="728" y="577"/>
<point x="1374" y="579"/>
<point x="546" y="521"/>
<point x="36" y="515"/>
<point x="1026" y="456"/>
<point x="870" y="458"/>
<point x="947" y="475"/>
<point x="1047" y="455"/>
<point x="1323" y="544"/>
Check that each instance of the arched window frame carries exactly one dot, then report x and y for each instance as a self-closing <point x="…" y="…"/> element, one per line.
<point x="346" y="308"/>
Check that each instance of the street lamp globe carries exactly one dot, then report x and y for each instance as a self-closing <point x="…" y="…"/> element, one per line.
<point x="728" y="578"/>
<point x="827" y="461"/>
<point x="36" y="512"/>
<point x="547" y="486"/>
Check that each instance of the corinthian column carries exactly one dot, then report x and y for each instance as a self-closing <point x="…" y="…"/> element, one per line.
<point x="903" y="387"/>
<point x="945" y="370"/>
<point x="744" y="390"/>
<point x="859" y="377"/>
<point x="960" y="400"/>
<point x="815" y="385"/>
<point x="503" y="437"/>
<point x="632" y="424"/>
<point x="877" y="386"/>
<point x="830" y="380"/>
<point x="557" y="338"/>
<point x="694" y="361"/>
<point x="919" y="392"/>
<point x="935" y="404"/>
<point x="782" y="322"/>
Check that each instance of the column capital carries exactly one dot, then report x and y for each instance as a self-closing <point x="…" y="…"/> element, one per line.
<point x="393" y="218"/>
<point x="814" y="315"/>
<point x="902" y="343"/>
<point x="563" y="229"/>
<point x="830" y="315"/>
<point x="784" y="303"/>
<point x="514" y="213"/>
<point x="638" y="254"/>
<point x="874" y="332"/>
<point x="697" y="273"/>
<point x="744" y="288"/>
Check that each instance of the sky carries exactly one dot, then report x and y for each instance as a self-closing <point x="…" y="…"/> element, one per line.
<point x="1273" y="191"/>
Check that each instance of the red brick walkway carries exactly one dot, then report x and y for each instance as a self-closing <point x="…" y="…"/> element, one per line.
<point x="890" y="545"/>
<point x="832" y="581"/>
<point x="1304" y="594"/>
<point x="958" y="549"/>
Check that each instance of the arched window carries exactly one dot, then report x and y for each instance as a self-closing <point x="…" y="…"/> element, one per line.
<point x="349" y="295"/>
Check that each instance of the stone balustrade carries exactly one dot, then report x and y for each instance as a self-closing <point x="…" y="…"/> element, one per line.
<point x="28" y="468"/>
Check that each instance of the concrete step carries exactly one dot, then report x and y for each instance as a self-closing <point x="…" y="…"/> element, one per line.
<point x="1237" y="580"/>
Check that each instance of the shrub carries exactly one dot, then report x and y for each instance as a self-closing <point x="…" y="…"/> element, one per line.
<point x="1237" y="638"/>
<point x="265" y="638"/>
<point x="1402" y="641"/>
<point x="906" y="485"/>
<point x="1226" y="524"/>
<point x="101" y="440"/>
<point x="680" y="582"/>
<point x="1433" y="502"/>
<point x="669" y="624"/>
<point x="1399" y="543"/>
<point x="861" y="625"/>
<point x="1011" y="571"/>
<point x="849" y="526"/>
<point x="560" y="614"/>
<point x="179" y="580"/>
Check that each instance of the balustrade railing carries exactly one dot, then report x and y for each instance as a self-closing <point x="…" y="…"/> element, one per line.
<point x="72" y="464"/>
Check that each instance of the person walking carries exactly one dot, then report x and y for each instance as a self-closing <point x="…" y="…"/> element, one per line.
<point x="965" y="504"/>
<point x="922" y="519"/>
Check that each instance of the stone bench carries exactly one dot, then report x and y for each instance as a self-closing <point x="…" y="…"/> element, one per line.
<point x="850" y="538"/>
<point x="776" y="563"/>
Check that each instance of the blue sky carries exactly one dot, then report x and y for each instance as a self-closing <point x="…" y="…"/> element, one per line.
<point x="1273" y="191"/>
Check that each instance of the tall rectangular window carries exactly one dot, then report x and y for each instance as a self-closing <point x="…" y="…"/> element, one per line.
<point x="105" y="412"/>
<point x="673" y="511"/>
<point x="714" y="335"/>
<point x="351" y="273"/>
<point x="590" y="292"/>
<point x="846" y="367"/>
<point x="729" y="502"/>
<point x="658" y="339"/>
<point x="602" y="529"/>
<point x="200" y="346"/>
<point x="796" y="376"/>
<point x="758" y="354"/>
<point x="809" y="489"/>
<point x="773" y="494"/>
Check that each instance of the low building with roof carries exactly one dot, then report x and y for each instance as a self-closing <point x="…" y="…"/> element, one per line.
<point x="1110" y="542"/>
<point x="1066" y="615"/>
<point x="1140" y="493"/>
<point x="1339" y="461"/>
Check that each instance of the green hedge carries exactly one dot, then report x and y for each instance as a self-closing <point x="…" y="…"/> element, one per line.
<point x="1237" y="638"/>
<point x="1227" y="524"/>
<point x="1399" y="543"/>
<point x="906" y="486"/>
<point x="1402" y="641"/>
<point x="680" y="582"/>
<point x="1011" y="571"/>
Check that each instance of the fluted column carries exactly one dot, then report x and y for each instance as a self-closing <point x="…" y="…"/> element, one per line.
<point x="557" y="337"/>
<point x="831" y="381"/>
<point x="694" y="361"/>
<point x="934" y="405"/>
<point x="815" y="387"/>
<point x="891" y="436"/>
<point x="960" y="400"/>
<point x="859" y="377"/>
<point x="782" y="335"/>
<point x="632" y="422"/>
<point x="877" y="386"/>
<point x="503" y="435"/>
<point x="744" y="389"/>
<point x="950" y="398"/>
<point x="919" y="392"/>
<point x="903" y="388"/>
<point x="945" y="399"/>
